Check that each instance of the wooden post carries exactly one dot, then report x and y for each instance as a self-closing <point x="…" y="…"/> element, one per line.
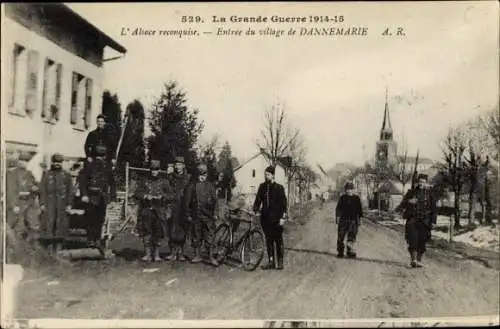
<point x="125" y="204"/>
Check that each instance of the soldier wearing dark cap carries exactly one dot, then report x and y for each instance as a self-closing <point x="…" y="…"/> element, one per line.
<point x="56" y="199"/>
<point x="97" y="188"/>
<point x="21" y="190"/>
<point x="155" y="196"/>
<point x="177" y="225"/>
<point x="348" y="213"/>
<point x="202" y="210"/>
<point x="102" y="135"/>
<point x="419" y="210"/>
<point x="272" y="203"/>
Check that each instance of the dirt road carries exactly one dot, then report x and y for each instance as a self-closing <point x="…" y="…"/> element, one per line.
<point x="314" y="284"/>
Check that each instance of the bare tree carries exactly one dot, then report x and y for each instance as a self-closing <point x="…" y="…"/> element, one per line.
<point x="282" y="142"/>
<point x="491" y="123"/>
<point x="453" y="153"/>
<point x="401" y="170"/>
<point x="278" y="135"/>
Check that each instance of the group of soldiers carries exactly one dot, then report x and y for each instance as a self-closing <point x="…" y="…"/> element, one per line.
<point x="418" y="207"/>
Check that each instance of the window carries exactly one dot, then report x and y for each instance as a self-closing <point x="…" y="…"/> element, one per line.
<point x="17" y="78"/>
<point x="51" y="99"/>
<point x="253" y="173"/>
<point x="32" y="82"/>
<point x="81" y="101"/>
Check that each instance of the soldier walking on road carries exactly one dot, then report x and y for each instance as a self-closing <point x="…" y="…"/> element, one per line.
<point x="97" y="190"/>
<point x="348" y="213"/>
<point x="21" y="190"/>
<point x="56" y="200"/>
<point x="177" y="225"/>
<point x="419" y="210"/>
<point x="202" y="212"/>
<point x="155" y="195"/>
<point x="271" y="196"/>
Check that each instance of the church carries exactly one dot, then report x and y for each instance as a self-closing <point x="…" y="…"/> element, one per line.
<point x="388" y="162"/>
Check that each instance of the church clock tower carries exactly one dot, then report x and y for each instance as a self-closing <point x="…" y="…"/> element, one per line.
<point x="386" y="146"/>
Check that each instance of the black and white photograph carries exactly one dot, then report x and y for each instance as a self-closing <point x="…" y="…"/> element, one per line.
<point x="250" y="164"/>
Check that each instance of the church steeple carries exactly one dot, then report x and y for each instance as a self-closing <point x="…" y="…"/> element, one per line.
<point x="386" y="131"/>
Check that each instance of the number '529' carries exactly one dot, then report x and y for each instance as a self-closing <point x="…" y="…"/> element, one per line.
<point x="191" y="19"/>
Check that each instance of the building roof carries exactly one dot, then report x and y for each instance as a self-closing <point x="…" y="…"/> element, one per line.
<point x="411" y="159"/>
<point x="282" y="161"/>
<point x="107" y="40"/>
<point x="62" y="14"/>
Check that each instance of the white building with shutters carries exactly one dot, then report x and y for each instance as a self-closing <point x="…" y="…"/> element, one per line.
<point x="52" y="73"/>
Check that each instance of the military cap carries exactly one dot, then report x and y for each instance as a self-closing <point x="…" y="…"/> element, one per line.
<point x="24" y="156"/>
<point x="349" y="186"/>
<point x="179" y="159"/>
<point x="57" y="157"/>
<point x="422" y="176"/>
<point x="270" y="170"/>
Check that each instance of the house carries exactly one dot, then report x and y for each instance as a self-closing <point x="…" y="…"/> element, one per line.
<point x="53" y="81"/>
<point x="251" y="173"/>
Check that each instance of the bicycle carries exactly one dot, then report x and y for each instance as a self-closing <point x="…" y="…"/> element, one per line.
<point x="248" y="243"/>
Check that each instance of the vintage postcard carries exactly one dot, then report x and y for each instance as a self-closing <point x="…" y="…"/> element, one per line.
<point x="250" y="164"/>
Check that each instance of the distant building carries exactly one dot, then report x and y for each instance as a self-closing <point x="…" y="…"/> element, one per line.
<point x="386" y="147"/>
<point x="53" y="79"/>
<point x="251" y="173"/>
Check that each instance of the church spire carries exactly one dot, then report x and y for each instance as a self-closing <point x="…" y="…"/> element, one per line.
<point x="386" y="131"/>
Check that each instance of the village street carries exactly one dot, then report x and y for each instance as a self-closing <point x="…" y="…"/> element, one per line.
<point x="314" y="284"/>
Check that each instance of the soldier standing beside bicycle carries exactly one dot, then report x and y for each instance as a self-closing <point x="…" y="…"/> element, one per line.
<point x="271" y="196"/>
<point x="154" y="194"/>
<point x="202" y="212"/>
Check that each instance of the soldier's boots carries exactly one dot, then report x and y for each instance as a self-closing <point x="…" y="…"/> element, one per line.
<point x="270" y="264"/>
<point x="351" y="253"/>
<point x="418" y="263"/>
<point x="180" y="254"/>
<point x="340" y="253"/>
<point x="147" y="254"/>
<point x="280" y="266"/>
<point x="197" y="256"/>
<point x="211" y="255"/>
<point x="157" y="257"/>
<point x="173" y="254"/>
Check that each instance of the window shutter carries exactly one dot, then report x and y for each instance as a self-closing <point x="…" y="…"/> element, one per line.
<point x="58" y="90"/>
<point x="88" y="102"/>
<point x="32" y="81"/>
<point x="74" y="99"/>
<point x="45" y="105"/>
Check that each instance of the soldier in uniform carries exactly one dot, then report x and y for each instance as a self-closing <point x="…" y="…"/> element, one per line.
<point x="56" y="200"/>
<point x="419" y="210"/>
<point x="155" y="195"/>
<point x="101" y="136"/>
<point x="271" y="196"/>
<point x="177" y="225"/>
<point x="348" y="213"/>
<point x="21" y="190"/>
<point x="202" y="210"/>
<point x="97" y="190"/>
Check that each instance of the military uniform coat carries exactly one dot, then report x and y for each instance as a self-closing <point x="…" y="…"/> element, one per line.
<point x="153" y="214"/>
<point x="271" y="200"/>
<point x="20" y="185"/>
<point x="97" y="182"/>
<point x="178" y="225"/>
<point x="56" y="193"/>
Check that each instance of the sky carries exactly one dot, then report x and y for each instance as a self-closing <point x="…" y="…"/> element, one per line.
<point x="442" y="73"/>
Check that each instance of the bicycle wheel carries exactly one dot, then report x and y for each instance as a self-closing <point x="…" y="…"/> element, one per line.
<point x="222" y="242"/>
<point x="252" y="250"/>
